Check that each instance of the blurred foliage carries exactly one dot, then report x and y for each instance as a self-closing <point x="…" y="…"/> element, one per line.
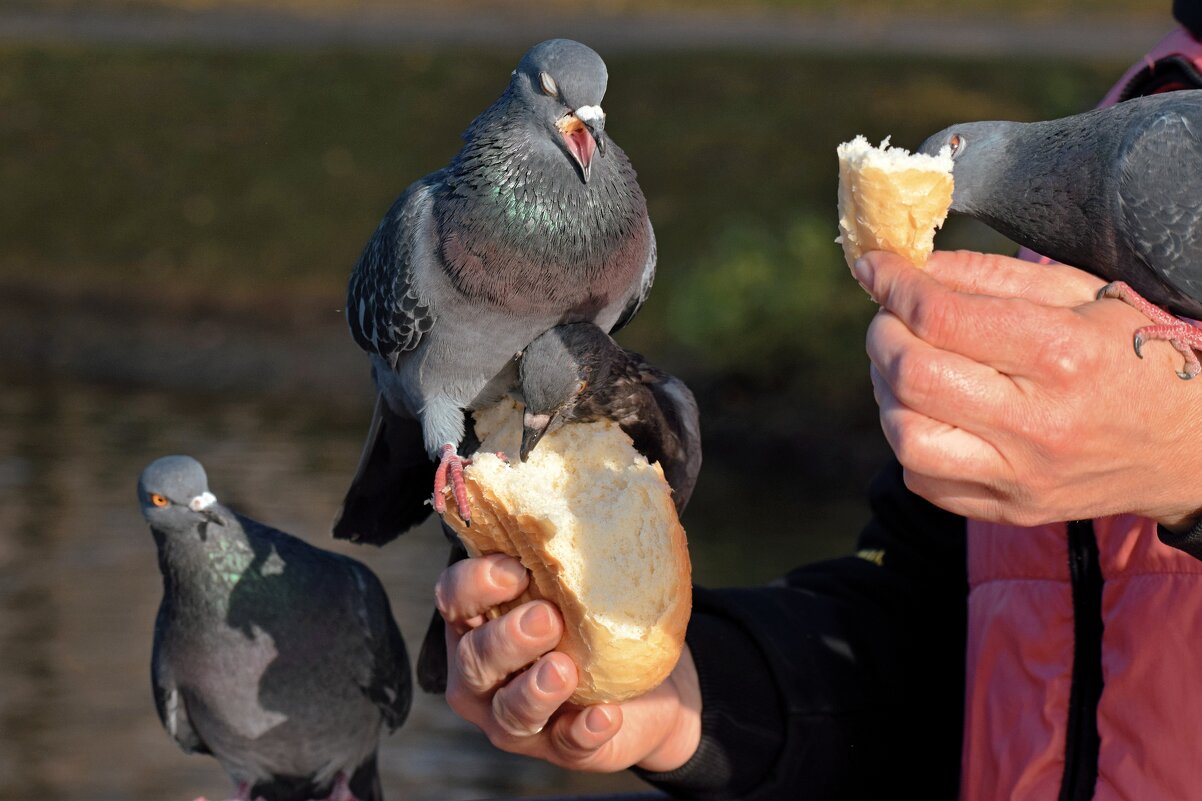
<point x="1029" y="8"/>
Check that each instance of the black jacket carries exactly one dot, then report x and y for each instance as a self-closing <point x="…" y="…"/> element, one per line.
<point x="846" y="680"/>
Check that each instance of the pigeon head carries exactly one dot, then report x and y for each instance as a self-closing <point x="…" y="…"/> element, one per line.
<point x="555" y="373"/>
<point x="175" y="497"/>
<point x="562" y="82"/>
<point x="980" y="157"/>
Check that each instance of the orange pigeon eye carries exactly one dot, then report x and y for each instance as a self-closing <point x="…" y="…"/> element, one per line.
<point x="956" y="143"/>
<point x="159" y="500"/>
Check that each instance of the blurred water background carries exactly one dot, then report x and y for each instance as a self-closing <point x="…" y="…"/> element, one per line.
<point x="181" y="201"/>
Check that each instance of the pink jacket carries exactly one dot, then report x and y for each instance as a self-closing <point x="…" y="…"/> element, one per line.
<point x="1058" y="706"/>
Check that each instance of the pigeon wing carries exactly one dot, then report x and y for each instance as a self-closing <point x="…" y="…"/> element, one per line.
<point x="644" y="289"/>
<point x="168" y="700"/>
<point x="384" y="673"/>
<point x="384" y="307"/>
<point x="683" y="450"/>
<point x="1160" y="215"/>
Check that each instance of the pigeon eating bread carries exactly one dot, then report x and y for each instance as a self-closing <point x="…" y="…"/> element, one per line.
<point x="890" y="199"/>
<point x="595" y="525"/>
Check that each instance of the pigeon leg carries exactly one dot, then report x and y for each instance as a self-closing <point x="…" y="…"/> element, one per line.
<point x="450" y="468"/>
<point x="341" y="791"/>
<point x="1182" y="335"/>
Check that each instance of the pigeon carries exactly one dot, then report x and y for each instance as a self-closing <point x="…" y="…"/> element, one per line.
<point x="538" y="220"/>
<point x="577" y="373"/>
<point x="281" y="660"/>
<point x="1112" y="191"/>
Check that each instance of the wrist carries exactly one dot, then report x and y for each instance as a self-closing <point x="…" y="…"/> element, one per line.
<point x="680" y="740"/>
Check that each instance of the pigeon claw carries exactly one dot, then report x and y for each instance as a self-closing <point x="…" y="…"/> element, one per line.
<point x="1183" y="336"/>
<point x="450" y="471"/>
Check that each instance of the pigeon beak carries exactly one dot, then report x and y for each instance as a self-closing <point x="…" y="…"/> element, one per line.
<point x="533" y="428"/>
<point x="594" y="119"/>
<point x="580" y="133"/>
<point x="203" y="503"/>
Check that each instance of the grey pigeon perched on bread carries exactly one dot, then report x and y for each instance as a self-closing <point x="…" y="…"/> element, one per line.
<point x="577" y="373"/>
<point x="538" y="220"/>
<point x="279" y="659"/>
<point x="1112" y="191"/>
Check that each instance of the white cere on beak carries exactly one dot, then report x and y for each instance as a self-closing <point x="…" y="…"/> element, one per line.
<point x="536" y="420"/>
<point x="589" y="113"/>
<point x="202" y="501"/>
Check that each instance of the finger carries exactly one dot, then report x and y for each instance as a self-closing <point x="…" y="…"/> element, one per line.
<point x="969" y="499"/>
<point x="523" y="706"/>
<point x="939" y="384"/>
<point x="1051" y="284"/>
<point x="929" y="446"/>
<point x="486" y="656"/>
<point x="471" y="587"/>
<point x="993" y="331"/>
<point x="586" y="737"/>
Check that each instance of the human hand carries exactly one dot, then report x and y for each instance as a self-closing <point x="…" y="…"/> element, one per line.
<point x="504" y="677"/>
<point x="1010" y="394"/>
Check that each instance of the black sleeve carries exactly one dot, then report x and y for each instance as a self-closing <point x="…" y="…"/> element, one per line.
<point x="1189" y="540"/>
<point x="846" y="679"/>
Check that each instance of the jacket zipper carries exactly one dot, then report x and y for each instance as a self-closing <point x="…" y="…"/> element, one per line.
<point x="1081" y="740"/>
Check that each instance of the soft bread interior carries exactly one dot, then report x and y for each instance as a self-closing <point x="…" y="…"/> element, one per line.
<point x="891" y="199"/>
<point x="595" y="525"/>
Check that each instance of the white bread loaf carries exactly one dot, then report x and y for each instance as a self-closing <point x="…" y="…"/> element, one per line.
<point x="595" y="525"/>
<point x="890" y="199"/>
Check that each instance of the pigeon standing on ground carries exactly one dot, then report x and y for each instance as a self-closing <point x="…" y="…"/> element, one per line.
<point x="1112" y="191"/>
<point x="577" y="373"/>
<point x="281" y="660"/>
<point x="538" y="220"/>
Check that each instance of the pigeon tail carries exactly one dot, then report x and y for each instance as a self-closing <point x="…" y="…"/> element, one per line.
<point x="389" y="493"/>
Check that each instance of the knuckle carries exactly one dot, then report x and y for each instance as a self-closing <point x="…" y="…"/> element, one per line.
<point x="442" y="595"/>
<point x="512" y="716"/>
<point x="914" y="377"/>
<point x="470" y="663"/>
<point x="1063" y="357"/>
<point x="933" y="316"/>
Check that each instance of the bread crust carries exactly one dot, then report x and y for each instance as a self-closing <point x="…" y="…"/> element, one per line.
<point x="890" y="199"/>
<point x="613" y="663"/>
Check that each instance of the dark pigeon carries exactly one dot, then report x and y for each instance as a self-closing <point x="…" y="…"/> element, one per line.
<point x="577" y="373"/>
<point x="281" y="660"/>
<point x="1112" y="191"/>
<point x="538" y="220"/>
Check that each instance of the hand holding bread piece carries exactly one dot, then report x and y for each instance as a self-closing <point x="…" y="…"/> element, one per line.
<point x="890" y="199"/>
<point x="595" y="525"/>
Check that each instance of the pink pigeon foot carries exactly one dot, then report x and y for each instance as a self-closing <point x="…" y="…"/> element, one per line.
<point x="450" y="468"/>
<point x="1182" y="335"/>
<point x="341" y="791"/>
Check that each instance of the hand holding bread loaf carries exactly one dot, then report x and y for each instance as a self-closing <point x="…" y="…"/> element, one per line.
<point x="595" y="525"/>
<point x="890" y="199"/>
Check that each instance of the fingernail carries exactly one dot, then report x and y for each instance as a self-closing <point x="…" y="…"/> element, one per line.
<point x="597" y="720"/>
<point x="862" y="269"/>
<point x="549" y="679"/>
<point x="536" y="621"/>
<point x="506" y="573"/>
